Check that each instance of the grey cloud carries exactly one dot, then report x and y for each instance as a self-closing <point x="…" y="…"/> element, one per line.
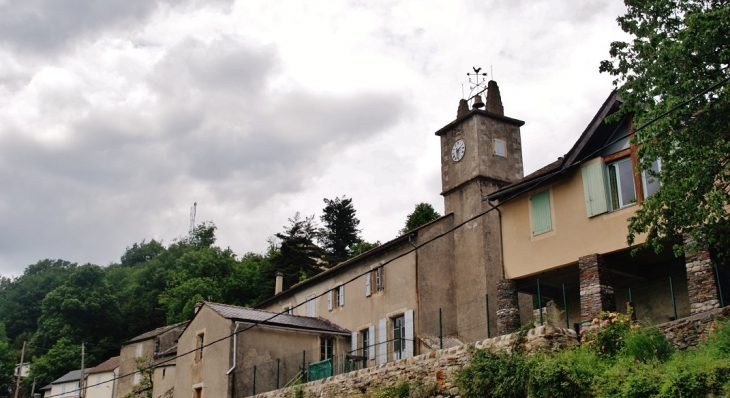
<point x="43" y="25"/>
<point x="213" y="123"/>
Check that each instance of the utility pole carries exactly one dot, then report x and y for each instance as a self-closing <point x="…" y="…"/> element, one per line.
<point x="32" y="390"/>
<point x="20" y="371"/>
<point x="81" y="380"/>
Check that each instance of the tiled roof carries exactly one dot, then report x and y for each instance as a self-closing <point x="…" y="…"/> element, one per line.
<point x="293" y="321"/>
<point x="154" y="333"/>
<point x="107" y="366"/>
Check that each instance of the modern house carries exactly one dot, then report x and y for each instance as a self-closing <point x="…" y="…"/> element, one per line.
<point x="155" y="348"/>
<point x="225" y="369"/>
<point x="101" y="379"/>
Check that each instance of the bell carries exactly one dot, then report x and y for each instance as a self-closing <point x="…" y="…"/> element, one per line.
<point x="477" y="102"/>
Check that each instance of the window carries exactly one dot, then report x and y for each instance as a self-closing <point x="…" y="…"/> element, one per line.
<point x="365" y="344"/>
<point x="139" y="350"/>
<point x="541" y="217"/>
<point x="199" y="344"/>
<point x="379" y="279"/>
<point x="136" y="378"/>
<point x="339" y="297"/>
<point x="198" y="392"/>
<point x="326" y="348"/>
<point x="500" y="147"/>
<point x="310" y="306"/>
<point x="163" y="373"/>
<point x="368" y="290"/>
<point x="649" y="182"/>
<point x="399" y="335"/>
<point x="290" y="310"/>
<point x="63" y="388"/>
<point x="98" y="381"/>
<point x="621" y="188"/>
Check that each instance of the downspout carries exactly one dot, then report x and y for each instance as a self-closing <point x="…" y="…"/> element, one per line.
<point x="235" y="350"/>
<point x="416" y="326"/>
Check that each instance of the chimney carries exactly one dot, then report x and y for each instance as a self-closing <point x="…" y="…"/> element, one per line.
<point x="279" y="283"/>
<point x="463" y="108"/>
<point x="494" y="100"/>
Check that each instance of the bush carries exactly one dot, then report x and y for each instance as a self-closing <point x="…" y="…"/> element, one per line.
<point x="628" y="378"/>
<point x="647" y="345"/>
<point x="569" y="373"/>
<point x="607" y="333"/>
<point x="407" y="390"/>
<point x="494" y="375"/>
<point x="695" y="373"/>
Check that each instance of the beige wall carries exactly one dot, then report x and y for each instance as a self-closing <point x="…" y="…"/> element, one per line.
<point x="104" y="390"/>
<point x="70" y="389"/>
<point x="262" y="346"/>
<point x="163" y="380"/>
<point x="210" y="372"/>
<point x="360" y="311"/>
<point x="128" y="365"/>
<point x="574" y="234"/>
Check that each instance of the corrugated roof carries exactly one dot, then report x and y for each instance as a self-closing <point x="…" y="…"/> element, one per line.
<point x="293" y="321"/>
<point x="154" y="333"/>
<point x="106" y="366"/>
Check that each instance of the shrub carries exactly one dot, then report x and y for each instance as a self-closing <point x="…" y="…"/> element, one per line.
<point x="628" y="378"/>
<point x="569" y="373"/>
<point x="494" y="375"/>
<point x="647" y="345"/>
<point x="607" y="333"/>
<point x="407" y="390"/>
<point x="695" y="373"/>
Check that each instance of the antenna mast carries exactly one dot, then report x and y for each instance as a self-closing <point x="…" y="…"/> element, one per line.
<point x="192" y="218"/>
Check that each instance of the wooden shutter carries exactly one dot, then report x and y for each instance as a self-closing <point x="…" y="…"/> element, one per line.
<point x="382" y="341"/>
<point x="409" y="334"/>
<point x="594" y="189"/>
<point x="371" y="342"/>
<point x="353" y="346"/>
<point x="541" y="220"/>
<point x="329" y="300"/>
<point x="368" y="291"/>
<point x="342" y="295"/>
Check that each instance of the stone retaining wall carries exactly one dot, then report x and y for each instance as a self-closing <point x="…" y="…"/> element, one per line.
<point x="435" y="367"/>
<point x="685" y="332"/>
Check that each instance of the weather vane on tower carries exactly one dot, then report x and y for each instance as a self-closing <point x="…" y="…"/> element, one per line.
<point x="477" y="87"/>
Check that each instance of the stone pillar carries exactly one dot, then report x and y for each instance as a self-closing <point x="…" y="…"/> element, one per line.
<point x="508" y="307"/>
<point x="596" y="290"/>
<point x="701" y="282"/>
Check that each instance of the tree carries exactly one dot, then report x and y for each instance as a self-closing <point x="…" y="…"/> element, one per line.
<point x="339" y="232"/>
<point x="297" y="257"/>
<point x="140" y="253"/>
<point x="362" y="247"/>
<point x="679" y="49"/>
<point x="424" y="213"/>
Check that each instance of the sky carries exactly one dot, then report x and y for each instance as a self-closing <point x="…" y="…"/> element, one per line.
<point x="117" y="116"/>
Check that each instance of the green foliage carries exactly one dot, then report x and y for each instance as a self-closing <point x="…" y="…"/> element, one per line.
<point x="297" y="255"/>
<point x="607" y="333"/>
<point x="424" y="213"/>
<point x="7" y="362"/>
<point x="140" y="253"/>
<point x="64" y="356"/>
<point x="339" y="232"/>
<point x="147" y="372"/>
<point x="678" y="49"/>
<point x="647" y="345"/>
<point x="629" y="378"/>
<point x="363" y="246"/>
<point x="494" y="375"/>
<point x="407" y="390"/>
<point x="565" y="374"/>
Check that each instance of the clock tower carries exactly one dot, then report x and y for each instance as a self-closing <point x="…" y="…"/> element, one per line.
<point x="481" y="151"/>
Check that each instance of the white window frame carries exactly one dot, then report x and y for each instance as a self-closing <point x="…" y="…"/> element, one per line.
<point x="614" y="165"/>
<point x="137" y="376"/>
<point x="645" y="176"/>
<point x="379" y="285"/>
<point x="368" y="289"/>
<point x="340" y="296"/>
<point x="138" y="353"/>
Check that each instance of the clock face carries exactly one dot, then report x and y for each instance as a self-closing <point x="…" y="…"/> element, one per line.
<point x="457" y="151"/>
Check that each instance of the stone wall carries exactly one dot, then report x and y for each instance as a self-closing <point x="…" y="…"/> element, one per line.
<point x="700" y="280"/>
<point x="685" y="332"/>
<point x="435" y="367"/>
<point x="596" y="290"/>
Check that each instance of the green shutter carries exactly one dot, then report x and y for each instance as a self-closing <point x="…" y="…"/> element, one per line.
<point x="594" y="189"/>
<point x="541" y="221"/>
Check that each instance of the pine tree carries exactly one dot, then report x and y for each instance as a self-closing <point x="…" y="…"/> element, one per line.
<point x="339" y="233"/>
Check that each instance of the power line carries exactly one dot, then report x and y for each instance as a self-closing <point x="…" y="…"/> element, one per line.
<point x="537" y="182"/>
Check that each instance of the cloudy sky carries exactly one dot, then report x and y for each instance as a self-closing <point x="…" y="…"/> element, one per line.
<point x="117" y="115"/>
